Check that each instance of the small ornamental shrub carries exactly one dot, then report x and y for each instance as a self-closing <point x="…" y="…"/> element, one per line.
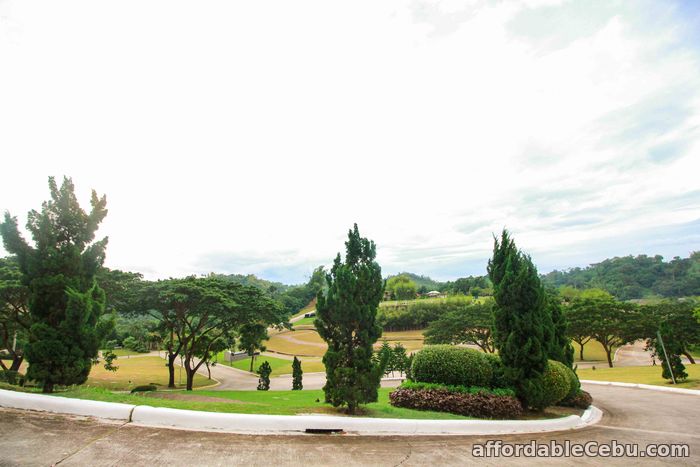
<point x="553" y="386"/>
<point x="145" y="388"/>
<point x="297" y="375"/>
<point x="574" y="383"/>
<point x="581" y="400"/>
<point x="481" y="404"/>
<point x="444" y="364"/>
<point x="10" y="376"/>
<point x="264" y="380"/>
<point x="499" y="378"/>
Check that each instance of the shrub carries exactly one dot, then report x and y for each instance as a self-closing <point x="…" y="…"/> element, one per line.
<point x="145" y="388"/>
<point x="465" y="389"/>
<point x="553" y="386"/>
<point x="444" y="364"/>
<point x="10" y="376"/>
<point x="264" y="380"/>
<point x="481" y="404"/>
<point x="580" y="400"/>
<point x="499" y="379"/>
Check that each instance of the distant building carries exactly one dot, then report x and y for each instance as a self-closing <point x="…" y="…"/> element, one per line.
<point x="310" y="315"/>
<point x="435" y="294"/>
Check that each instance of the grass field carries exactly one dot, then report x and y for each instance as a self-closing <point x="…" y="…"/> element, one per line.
<point x="304" y="322"/>
<point x="255" y="402"/>
<point x="642" y="375"/>
<point x="280" y="366"/>
<point x="592" y="351"/>
<point x="308" y="342"/>
<point x="124" y="352"/>
<point x="135" y="372"/>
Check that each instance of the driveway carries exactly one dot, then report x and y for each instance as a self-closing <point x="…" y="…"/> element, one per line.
<point x="631" y="416"/>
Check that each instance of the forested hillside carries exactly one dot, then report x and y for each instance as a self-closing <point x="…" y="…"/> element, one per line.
<point x="632" y="277"/>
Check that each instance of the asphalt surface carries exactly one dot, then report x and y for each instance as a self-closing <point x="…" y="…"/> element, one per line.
<point x="631" y="416"/>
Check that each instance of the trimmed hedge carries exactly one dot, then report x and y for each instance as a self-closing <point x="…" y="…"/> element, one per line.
<point x="482" y="404"/>
<point x="465" y="389"/>
<point x="456" y="366"/>
<point x="553" y="386"/>
<point x="580" y="400"/>
<point x="145" y="388"/>
<point x="499" y="379"/>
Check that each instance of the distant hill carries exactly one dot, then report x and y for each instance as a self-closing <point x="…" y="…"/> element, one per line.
<point x="274" y="288"/>
<point x="633" y="277"/>
<point x="421" y="281"/>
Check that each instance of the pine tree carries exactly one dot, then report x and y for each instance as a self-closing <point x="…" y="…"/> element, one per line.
<point x="64" y="302"/>
<point x="346" y="320"/>
<point x="386" y="357"/>
<point x="400" y="358"/>
<point x="520" y="318"/>
<point x="264" y="380"/>
<point x="560" y="348"/>
<point x="296" y="375"/>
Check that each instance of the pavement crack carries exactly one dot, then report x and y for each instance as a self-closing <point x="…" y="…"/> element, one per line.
<point x="410" y="452"/>
<point x="90" y="443"/>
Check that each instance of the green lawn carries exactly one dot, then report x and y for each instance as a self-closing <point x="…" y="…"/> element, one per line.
<point x="279" y="366"/>
<point x="641" y="375"/>
<point x="255" y="402"/>
<point x="592" y="351"/>
<point x="135" y="372"/>
<point x="124" y="352"/>
<point x="304" y="322"/>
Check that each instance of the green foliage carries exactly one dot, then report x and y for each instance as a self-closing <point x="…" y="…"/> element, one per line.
<point x="65" y="304"/>
<point x="346" y="320"/>
<point x="399" y="359"/>
<point x="553" y="386"/>
<point x="560" y="348"/>
<point x="297" y="375"/>
<point x="15" y="319"/>
<point x="498" y="370"/>
<point x="677" y="318"/>
<point x="635" y="277"/>
<point x="384" y="356"/>
<point x="497" y="391"/>
<point x="580" y="400"/>
<point x="475" y="286"/>
<point x="422" y="282"/>
<point x="444" y="364"/>
<point x="469" y="324"/>
<point x="264" y="380"/>
<point x="522" y="327"/>
<point x="418" y="314"/>
<point x="673" y="348"/>
<point x="252" y="338"/>
<point x="109" y="358"/>
<point x="401" y="288"/>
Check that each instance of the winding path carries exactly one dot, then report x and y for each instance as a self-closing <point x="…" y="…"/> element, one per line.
<point x="630" y="416"/>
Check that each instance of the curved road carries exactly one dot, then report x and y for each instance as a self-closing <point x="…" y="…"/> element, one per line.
<point x="631" y="416"/>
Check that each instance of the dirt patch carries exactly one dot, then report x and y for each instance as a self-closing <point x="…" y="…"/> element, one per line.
<point x="197" y="398"/>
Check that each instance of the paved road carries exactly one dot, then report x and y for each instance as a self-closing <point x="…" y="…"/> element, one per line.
<point x="631" y="416"/>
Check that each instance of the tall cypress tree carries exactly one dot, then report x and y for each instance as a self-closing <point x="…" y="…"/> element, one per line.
<point x="560" y="348"/>
<point x="520" y="317"/>
<point x="65" y="304"/>
<point x="346" y="320"/>
<point x="296" y="375"/>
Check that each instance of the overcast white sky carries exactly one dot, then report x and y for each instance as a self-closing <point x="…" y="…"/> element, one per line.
<point x="248" y="136"/>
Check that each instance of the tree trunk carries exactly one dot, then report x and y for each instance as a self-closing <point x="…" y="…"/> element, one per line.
<point x="47" y="388"/>
<point x="208" y="369"/>
<point x="171" y="370"/>
<point x="252" y="359"/>
<point x="17" y="361"/>
<point x="689" y="357"/>
<point x="608" y="352"/>
<point x="190" y="374"/>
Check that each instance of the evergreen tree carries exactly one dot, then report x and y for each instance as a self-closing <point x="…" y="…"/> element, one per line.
<point x="560" y="348"/>
<point x="520" y="318"/>
<point x="296" y="375"/>
<point x="346" y="320"/>
<point x="386" y="357"/>
<point x="264" y="380"/>
<point x="65" y="304"/>
<point x="400" y="358"/>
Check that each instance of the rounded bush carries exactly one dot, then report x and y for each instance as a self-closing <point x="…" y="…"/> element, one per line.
<point x="552" y="387"/>
<point x="580" y="400"/>
<point x="456" y="366"/>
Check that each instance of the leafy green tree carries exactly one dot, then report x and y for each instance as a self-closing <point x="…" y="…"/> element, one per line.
<point x="15" y="319"/>
<point x="65" y="304"/>
<point x="252" y="338"/>
<point x="673" y="349"/>
<point x="264" y="381"/>
<point x="401" y="287"/>
<point x="346" y="320"/>
<point x="297" y="375"/>
<point x="679" y="320"/>
<point x="472" y="324"/>
<point x="520" y="317"/>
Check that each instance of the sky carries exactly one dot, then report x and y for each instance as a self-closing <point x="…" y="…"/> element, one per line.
<point x="249" y="136"/>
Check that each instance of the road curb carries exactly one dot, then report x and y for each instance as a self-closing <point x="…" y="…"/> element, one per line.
<point x="651" y="387"/>
<point x="286" y="424"/>
<point x="57" y="404"/>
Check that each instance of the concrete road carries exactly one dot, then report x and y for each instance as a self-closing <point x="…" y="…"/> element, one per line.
<point x="631" y="416"/>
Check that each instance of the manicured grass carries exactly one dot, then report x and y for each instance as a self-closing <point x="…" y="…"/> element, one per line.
<point x="592" y="351"/>
<point x="642" y="375"/>
<point x="135" y="372"/>
<point x="279" y="366"/>
<point x="304" y="322"/>
<point x="125" y="352"/>
<point x="256" y="402"/>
